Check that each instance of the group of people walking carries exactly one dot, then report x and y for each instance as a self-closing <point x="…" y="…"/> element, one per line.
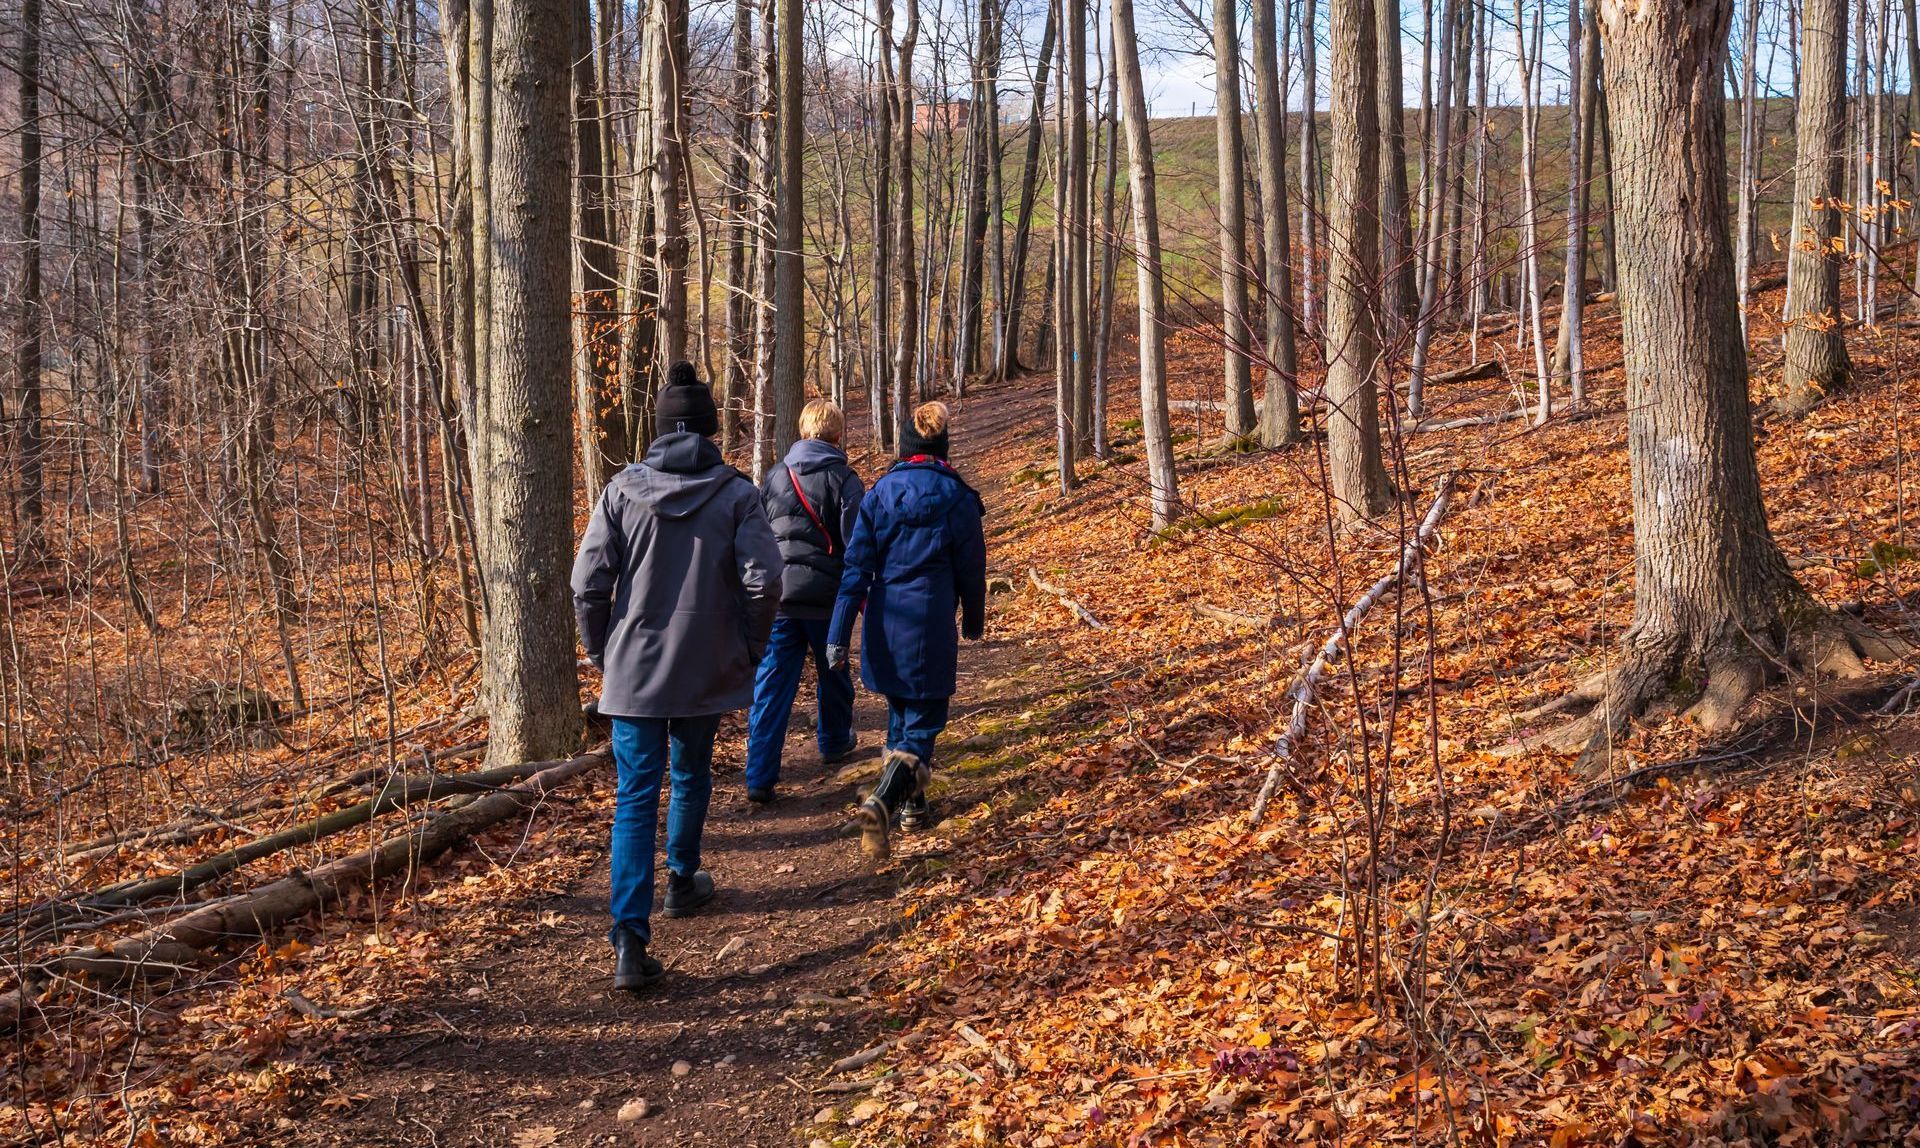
<point x="699" y="594"/>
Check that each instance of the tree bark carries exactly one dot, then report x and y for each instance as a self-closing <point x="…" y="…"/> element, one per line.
<point x="596" y="370"/>
<point x="1714" y="600"/>
<point x="1280" y="405"/>
<point x="1016" y="269"/>
<point x="30" y="318"/>
<point x="526" y="515"/>
<point x="789" y="273"/>
<point x="1156" y="430"/>
<point x="1237" y="334"/>
<point x="1397" y="255"/>
<point x="667" y="56"/>
<point x="1359" y="477"/>
<point x="1816" y="351"/>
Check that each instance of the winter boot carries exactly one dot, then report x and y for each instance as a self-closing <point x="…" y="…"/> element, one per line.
<point x="916" y="812"/>
<point x="685" y="894"/>
<point x="633" y="969"/>
<point x="901" y="776"/>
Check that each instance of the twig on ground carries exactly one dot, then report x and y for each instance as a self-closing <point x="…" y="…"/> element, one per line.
<point x="1079" y="611"/>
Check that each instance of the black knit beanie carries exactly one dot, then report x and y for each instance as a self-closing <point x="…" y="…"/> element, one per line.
<point x="686" y="403"/>
<point x="912" y="442"/>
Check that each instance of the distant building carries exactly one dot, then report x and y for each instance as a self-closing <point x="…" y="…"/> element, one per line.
<point x="950" y="114"/>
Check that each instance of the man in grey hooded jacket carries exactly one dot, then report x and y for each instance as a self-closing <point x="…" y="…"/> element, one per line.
<point x="675" y="589"/>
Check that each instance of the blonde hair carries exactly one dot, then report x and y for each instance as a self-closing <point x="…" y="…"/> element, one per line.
<point x="821" y="418"/>
<point x="930" y="419"/>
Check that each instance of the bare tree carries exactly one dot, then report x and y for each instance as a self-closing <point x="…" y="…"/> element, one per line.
<point x="1816" y="360"/>
<point x="1714" y="600"/>
<point x="523" y="439"/>
<point x="1156" y="430"/>
<point x="1238" y="336"/>
<point x="1280" y="405"/>
<point x="789" y="273"/>
<point x="1352" y="397"/>
<point x="30" y="318"/>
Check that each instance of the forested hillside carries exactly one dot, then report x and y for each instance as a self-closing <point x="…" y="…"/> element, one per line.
<point x="1441" y="669"/>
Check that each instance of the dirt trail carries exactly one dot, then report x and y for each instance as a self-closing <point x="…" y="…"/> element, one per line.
<point x="525" y="1043"/>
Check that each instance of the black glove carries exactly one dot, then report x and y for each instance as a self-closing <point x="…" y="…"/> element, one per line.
<point x="836" y="657"/>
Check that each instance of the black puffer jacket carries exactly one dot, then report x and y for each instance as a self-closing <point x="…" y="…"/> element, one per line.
<point x="812" y="499"/>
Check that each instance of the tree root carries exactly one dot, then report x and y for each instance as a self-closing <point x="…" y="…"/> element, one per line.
<point x="1666" y="669"/>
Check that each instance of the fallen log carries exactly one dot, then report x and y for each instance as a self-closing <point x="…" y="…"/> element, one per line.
<point x="1473" y="373"/>
<point x="178" y="943"/>
<point x="1308" y="683"/>
<point x="205" y="821"/>
<point x="1461" y="423"/>
<point x="1081" y="612"/>
<point x="399" y="792"/>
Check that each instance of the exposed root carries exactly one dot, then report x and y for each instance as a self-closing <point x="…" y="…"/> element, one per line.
<point x="1658" y="671"/>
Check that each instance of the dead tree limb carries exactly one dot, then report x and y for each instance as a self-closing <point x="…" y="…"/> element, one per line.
<point x="165" y="949"/>
<point x="399" y="792"/>
<point x="1308" y="683"/>
<point x="1066" y="599"/>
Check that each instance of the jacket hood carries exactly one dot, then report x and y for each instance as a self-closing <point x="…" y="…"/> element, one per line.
<point x="682" y="472"/>
<point x="810" y="454"/>
<point x="923" y="492"/>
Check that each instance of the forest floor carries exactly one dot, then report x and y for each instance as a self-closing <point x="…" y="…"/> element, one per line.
<point x="1712" y="942"/>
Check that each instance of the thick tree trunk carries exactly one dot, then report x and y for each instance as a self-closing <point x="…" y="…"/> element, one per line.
<point x="1156" y="430"/>
<point x="1816" y="351"/>
<point x="1237" y="334"/>
<point x="526" y="516"/>
<point x="1352" y="399"/>
<point x="1280" y="405"/>
<point x="1713" y="597"/>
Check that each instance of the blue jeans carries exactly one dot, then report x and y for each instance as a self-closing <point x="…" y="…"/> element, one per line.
<point x="644" y="749"/>
<point x="913" y="723"/>
<point x="775" y="686"/>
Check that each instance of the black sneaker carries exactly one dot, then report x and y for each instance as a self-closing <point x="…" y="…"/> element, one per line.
<point x="633" y="969"/>
<point x="761" y="794"/>
<point x="686" y="894"/>
<point x="836" y="756"/>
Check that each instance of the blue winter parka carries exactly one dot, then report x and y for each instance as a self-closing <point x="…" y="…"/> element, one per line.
<point x="917" y="554"/>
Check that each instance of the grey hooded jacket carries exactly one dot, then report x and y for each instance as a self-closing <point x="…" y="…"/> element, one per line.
<point x="677" y="583"/>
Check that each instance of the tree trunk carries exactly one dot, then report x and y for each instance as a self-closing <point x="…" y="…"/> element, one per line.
<point x="789" y="274"/>
<point x="1065" y="439"/>
<point x="526" y="516"/>
<point x="1079" y="216"/>
<point x="738" y="313"/>
<point x="1433" y="217"/>
<point x="667" y="55"/>
<point x="1816" y="351"/>
<point x="1713" y="597"/>
<point x="1529" y="57"/>
<point x="1397" y="256"/>
<point x="1236" y="333"/>
<point x="1156" y="430"/>
<point x="1103" y="306"/>
<point x="603" y="442"/>
<point x="1583" y="62"/>
<point x="906" y="282"/>
<point x="1280" y="405"/>
<point x="1309" y="168"/>
<point x="30" y="318"/>
<point x="1016" y="269"/>
<point x="1359" y="478"/>
<point x="982" y="131"/>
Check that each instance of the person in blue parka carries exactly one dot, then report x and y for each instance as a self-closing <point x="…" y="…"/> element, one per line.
<point x="917" y="555"/>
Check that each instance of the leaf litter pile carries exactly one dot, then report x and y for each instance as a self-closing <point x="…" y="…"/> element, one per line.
<point x="1702" y="944"/>
<point x="1423" y="940"/>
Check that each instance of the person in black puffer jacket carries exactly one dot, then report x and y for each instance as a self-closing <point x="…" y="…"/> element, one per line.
<point x="812" y="498"/>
